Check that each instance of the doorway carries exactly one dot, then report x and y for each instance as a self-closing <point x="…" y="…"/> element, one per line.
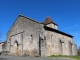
<point x="15" y="46"/>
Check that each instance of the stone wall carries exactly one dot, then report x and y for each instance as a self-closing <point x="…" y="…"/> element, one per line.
<point x="58" y="44"/>
<point x="28" y="37"/>
<point x="29" y="42"/>
<point x="1" y="46"/>
<point x="75" y="52"/>
<point x="52" y="26"/>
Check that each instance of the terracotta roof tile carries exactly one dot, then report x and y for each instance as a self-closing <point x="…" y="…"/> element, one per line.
<point x="48" y="20"/>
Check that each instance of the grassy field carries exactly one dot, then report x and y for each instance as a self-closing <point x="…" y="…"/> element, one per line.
<point x="73" y="57"/>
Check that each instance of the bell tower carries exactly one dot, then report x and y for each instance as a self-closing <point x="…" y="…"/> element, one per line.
<point x="49" y="22"/>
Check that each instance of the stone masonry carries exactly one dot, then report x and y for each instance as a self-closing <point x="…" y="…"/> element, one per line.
<point x="32" y="38"/>
<point x="1" y="43"/>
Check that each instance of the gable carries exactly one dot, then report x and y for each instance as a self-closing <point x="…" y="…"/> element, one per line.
<point x="22" y="23"/>
<point x="13" y="25"/>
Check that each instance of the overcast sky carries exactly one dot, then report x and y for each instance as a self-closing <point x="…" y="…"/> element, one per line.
<point x="65" y="13"/>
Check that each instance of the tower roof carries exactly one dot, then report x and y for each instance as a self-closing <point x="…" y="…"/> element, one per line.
<point x="48" y="21"/>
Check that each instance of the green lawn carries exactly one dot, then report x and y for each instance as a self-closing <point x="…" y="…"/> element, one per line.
<point x="73" y="57"/>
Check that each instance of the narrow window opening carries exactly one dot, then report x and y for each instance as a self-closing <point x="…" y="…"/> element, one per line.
<point x="9" y="41"/>
<point x="31" y="38"/>
<point x="9" y="44"/>
<point x="51" y="38"/>
<point x="61" y="47"/>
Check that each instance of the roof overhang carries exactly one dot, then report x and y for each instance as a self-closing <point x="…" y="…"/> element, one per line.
<point x="51" y="29"/>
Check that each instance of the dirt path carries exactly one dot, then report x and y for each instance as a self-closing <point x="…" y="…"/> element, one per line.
<point x="30" y="58"/>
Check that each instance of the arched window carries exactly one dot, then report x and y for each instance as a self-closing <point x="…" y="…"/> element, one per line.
<point x="16" y="42"/>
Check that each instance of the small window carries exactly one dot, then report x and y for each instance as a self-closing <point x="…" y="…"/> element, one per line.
<point x="22" y="36"/>
<point x="9" y="41"/>
<point x="31" y="38"/>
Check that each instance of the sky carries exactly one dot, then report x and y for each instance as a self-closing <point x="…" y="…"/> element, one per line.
<point x="65" y="13"/>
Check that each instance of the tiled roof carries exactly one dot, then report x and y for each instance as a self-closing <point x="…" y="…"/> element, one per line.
<point x="48" y="21"/>
<point x="55" y="30"/>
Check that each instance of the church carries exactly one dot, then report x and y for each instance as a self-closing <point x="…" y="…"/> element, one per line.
<point x="32" y="38"/>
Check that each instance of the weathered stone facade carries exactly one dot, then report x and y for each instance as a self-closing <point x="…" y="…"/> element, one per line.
<point x="1" y="43"/>
<point x="27" y="36"/>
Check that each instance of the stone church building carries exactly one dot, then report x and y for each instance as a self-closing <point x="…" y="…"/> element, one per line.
<point x="32" y="38"/>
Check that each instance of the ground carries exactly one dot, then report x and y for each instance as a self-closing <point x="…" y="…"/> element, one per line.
<point x="30" y="58"/>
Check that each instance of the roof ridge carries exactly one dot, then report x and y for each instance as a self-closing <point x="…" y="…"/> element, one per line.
<point x="30" y="18"/>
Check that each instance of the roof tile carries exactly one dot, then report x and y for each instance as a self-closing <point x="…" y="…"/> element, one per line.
<point x="48" y="20"/>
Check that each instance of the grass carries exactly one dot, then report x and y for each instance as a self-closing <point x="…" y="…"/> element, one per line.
<point x="73" y="57"/>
